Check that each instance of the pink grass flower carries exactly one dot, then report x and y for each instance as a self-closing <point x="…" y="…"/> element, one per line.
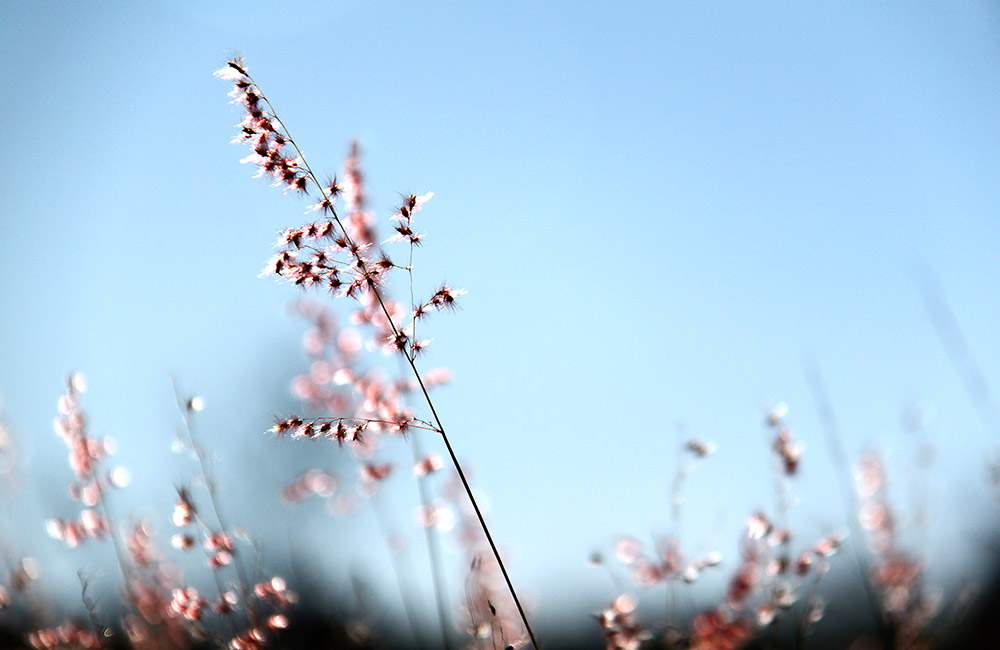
<point x="184" y="510"/>
<point x="187" y="603"/>
<point x="375" y="472"/>
<point x="717" y="630"/>
<point x="427" y="465"/>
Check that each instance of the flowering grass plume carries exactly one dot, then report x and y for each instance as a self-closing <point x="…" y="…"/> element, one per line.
<point x="342" y="258"/>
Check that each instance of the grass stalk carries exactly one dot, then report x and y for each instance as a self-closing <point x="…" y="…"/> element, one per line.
<point x="371" y="284"/>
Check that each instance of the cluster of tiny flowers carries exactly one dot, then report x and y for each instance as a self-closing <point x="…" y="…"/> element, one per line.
<point x="85" y="455"/>
<point x="670" y="564"/>
<point x="766" y="548"/>
<point x="760" y="563"/>
<point x="21" y="574"/>
<point x="427" y="465"/>
<point x="319" y="254"/>
<point x="766" y="580"/>
<point x="763" y="569"/>
<point x="622" y="630"/>
<point x="307" y="262"/>
<point x="151" y="592"/>
<point x="898" y="574"/>
<point x="340" y="257"/>
<point x="788" y="451"/>
<point x="139" y="545"/>
<point x="187" y="603"/>
<point x="359" y="220"/>
<point x="338" y="498"/>
<point x="218" y="545"/>
<point x="718" y="630"/>
<point x="700" y="448"/>
<point x="72" y="532"/>
<point x="260" y="635"/>
<point x="435" y="514"/>
<point x="69" y="635"/>
<point x="443" y="299"/>
<point x="337" y="381"/>
<point x="874" y="513"/>
<point x="314" y="482"/>
<point x="275" y="591"/>
<point x="257" y="638"/>
<point x="261" y="130"/>
<point x="404" y="217"/>
<point x="815" y="557"/>
<point x="372" y="476"/>
<point x="326" y="485"/>
<point x="332" y="428"/>
<point x="184" y="514"/>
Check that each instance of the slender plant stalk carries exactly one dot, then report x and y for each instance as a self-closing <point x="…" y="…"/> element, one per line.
<point x="91" y="608"/>
<point x="468" y="490"/>
<point x="206" y="473"/>
<point x="120" y="554"/>
<point x="675" y="515"/>
<point x="366" y="274"/>
<point x="405" y="587"/>
<point x="119" y="551"/>
<point x="957" y="348"/>
<point x="835" y="446"/>
<point x="433" y="548"/>
<point x="433" y="553"/>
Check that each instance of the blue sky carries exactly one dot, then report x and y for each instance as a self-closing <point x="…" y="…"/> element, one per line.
<point x="659" y="211"/>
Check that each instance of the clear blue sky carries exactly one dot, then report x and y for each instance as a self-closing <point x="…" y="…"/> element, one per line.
<point x="658" y="210"/>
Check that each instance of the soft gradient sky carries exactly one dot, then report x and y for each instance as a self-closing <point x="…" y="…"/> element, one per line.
<point x="659" y="211"/>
